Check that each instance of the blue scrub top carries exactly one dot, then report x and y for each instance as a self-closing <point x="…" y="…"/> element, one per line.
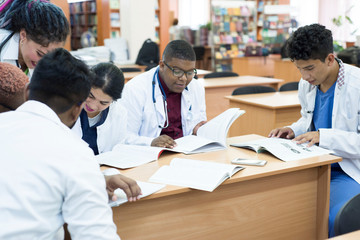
<point x="90" y="133"/>
<point x="323" y="108"/>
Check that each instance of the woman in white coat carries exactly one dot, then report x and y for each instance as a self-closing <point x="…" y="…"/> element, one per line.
<point x="165" y="102"/>
<point x="102" y="122"/>
<point x="28" y="30"/>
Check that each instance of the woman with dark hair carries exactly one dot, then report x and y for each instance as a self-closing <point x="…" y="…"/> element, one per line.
<point x="102" y="122"/>
<point x="28" y="30"/>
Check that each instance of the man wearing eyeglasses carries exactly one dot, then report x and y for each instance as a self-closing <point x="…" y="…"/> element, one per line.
<point x="165" y="103"/>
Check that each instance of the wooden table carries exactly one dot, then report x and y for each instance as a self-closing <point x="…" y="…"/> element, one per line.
<point x="264" y="112"/>
<point x="285" y="69"/>
<point x="349" y="236"/>
<point x="217" y="88"/>
<point x="255" y="66"/>
<point x="141" y="67"/>
<point x="282" y="200"/>
<point x="130" y="75"/>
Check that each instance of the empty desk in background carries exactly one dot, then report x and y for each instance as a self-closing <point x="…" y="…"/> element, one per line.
<point x="201" y="72"/>
<point x="141" y="67"/>
<point x="282" y="200"/>
<point x="264" y="112"/>
<point x="255" y="66"/>
<point x="286" y="69"/>
<point x="217" y="88"/>
<point x="129" y="75"/>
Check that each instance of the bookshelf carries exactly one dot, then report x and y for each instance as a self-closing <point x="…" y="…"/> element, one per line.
<point x="115" y="30"/>
<point x="233" y="27"/>
<point x="90" y="15"/>
<point x="162" y="23"/>
<point x="274" y="22"/>
<point x="83" y="17"/>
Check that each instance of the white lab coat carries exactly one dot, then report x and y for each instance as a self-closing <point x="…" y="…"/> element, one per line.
<point x="10" y="51"/>
<point x="143" y="117"/>
<point x="47" y="176"/>
<point x="343" y="138"/>
<point x="112" y="131"/>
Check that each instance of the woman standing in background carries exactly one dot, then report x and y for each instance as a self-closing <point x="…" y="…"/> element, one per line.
<point x="28" y="30"/>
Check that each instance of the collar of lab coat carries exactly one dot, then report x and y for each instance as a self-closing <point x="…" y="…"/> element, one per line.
<point x="42" y="110"/>
<point x="11" y="48"/>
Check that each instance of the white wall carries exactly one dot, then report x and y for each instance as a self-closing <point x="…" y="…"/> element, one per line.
<point x="307" y="11"/>
<point x="137" y="18"/>
<point x="194" y="13"/>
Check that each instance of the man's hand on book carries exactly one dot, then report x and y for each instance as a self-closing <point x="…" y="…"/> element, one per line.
<point x="163" y="141"/>
<point x="128" y="185"/>
<point x="284" y="132"/>
<point x="197" y="127"/>
<point x="311" y="137"/>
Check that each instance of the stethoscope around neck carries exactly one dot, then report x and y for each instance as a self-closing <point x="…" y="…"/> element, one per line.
<point x="166" y="124"/>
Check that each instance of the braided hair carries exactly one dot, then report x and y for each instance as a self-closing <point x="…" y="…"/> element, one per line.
<point x="43" y="21"/>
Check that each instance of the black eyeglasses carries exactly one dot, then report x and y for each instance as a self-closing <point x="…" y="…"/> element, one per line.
<point x="179" y="73"/>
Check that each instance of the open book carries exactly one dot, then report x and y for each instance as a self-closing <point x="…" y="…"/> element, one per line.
<point x="146" y="190"/>
<point x="210" y="136"/>
<point x="284" y="149"/>
<point x="127" y="156"/>
<point x="194" y="174"/>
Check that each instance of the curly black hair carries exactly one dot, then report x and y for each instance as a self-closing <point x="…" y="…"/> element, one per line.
<point x="179" y="49"/>
<point x="310" y="42"/>
<point x="60" y="81"/>
<point x="43" y="21"/>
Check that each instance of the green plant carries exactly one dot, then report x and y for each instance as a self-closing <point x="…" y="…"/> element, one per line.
<point x="340" y="20"/>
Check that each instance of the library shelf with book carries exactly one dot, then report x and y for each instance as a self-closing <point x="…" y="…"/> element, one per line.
<point x="233" y="27"/>
<point x="162" y="23"/>
<point x="115" y="30"/>
<point x="274" y="22"/>
<point x="82" y="18"/>
<point x="89" y="15"/>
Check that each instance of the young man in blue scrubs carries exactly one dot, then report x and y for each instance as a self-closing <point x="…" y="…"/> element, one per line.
<point x="165" y="103"/>
<point x="329" y="93"/>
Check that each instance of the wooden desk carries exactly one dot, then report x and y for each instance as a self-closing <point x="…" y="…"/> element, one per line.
<point x="349" y="236"/>
<point x="255" y="66"/>
<point x="141" y="67"/>
<point x="201" y="72"/>
<point x="130" y="75"/>
<point x="285" y="69"/>
<point x="264" y="112"/>
<point x="217" y="88"/>
<point x="282" y="200"/>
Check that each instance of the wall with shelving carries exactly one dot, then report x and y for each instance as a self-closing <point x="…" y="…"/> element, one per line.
<point x="82" y="18"/>
<point x="233" y="27"/>
<point x="115" y="30"/>
<point x="274" y="22"/>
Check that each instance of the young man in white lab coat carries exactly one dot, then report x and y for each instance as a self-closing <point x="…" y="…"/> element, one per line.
<point x="50" y="176"/>
<point x="165" y="103"/>
<point x="329" y="93"/>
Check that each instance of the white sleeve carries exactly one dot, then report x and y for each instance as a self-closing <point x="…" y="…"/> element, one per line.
<point x="134" y="102"/>
<point x="301" y="126"/>
<point x="85" y="208"/>
<point x="343" y="143"/>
